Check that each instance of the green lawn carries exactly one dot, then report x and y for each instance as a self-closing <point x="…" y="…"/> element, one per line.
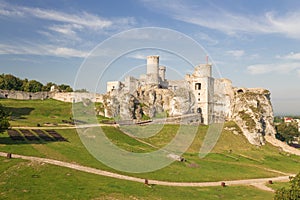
<point x="232" y="158"/>
<point x="240" y="163"/>
<point x="33" y="112"/>
<point x="278" y="185"/>
<point x="26" y="180"/>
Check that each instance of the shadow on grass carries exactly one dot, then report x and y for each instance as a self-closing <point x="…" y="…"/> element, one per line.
<point x="19" y="113"/>
<point x="9" y="141"/>
<point x="295" y="146"/>
<point x="26" y="136"/>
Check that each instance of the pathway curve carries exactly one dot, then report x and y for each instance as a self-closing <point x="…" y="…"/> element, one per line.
<point x="62" y="127"/>
<point x="285" y="147"/>
<point x="259" y="182"/>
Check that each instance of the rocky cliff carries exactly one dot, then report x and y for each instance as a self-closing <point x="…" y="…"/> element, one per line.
<point x="147" y="102"/>
<point x="251" y="109"/>
<point x="253" y="113"/>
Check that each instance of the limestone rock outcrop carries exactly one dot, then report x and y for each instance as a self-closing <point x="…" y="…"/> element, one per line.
<point x="147" y="102"/>
<point x="252" y="111"/>
<point x="249" y="108"/>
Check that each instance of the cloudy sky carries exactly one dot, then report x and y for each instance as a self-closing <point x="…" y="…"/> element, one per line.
<point x="253" y="43"/>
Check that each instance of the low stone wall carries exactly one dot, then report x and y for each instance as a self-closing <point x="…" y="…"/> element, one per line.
<point x="61" y="96"/>
<point x="184" y="119"/>
<point x="11" y="94"/>
<point x="74" y="97"/>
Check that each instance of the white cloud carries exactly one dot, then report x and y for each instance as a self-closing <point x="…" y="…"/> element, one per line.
<point x="287" y="24"/>
<point x="67" y="33"/>
<point x="84" y="19"/>
<point x="229" y="22"/>
<point x="236" y="53"/>
<point x="206" y="38"/>
<point x="163" y="56"/>
<point x="49" y="50"/>
<point x="67" y="52"/>
<point x="281" y="68"/>
<point x="67" y="24"/>
<point x="138" y="56"/>
<point x="291" y="56"/>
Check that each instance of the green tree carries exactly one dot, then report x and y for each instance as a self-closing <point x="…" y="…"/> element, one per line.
<point x="65" y="88"/>
<point x="2" y="82"/>
<point x="10" y="82"/>
<point x="278" y="119"/>
<point x="4" y="124"/>
<point x="290" y="193"/>
<point x="81" y="90"/>
<point x="287" y="132"/>
<point x="47" y="87"/>
<point x="24" y="84"/>
<point x="33" y="86"/>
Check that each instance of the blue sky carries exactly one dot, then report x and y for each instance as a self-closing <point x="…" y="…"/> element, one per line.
<point x="253" y="43"/>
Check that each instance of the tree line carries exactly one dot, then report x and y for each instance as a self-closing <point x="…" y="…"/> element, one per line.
<point x="10" y="82"/>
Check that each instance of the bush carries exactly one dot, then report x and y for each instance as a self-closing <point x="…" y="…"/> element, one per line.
<point x="4" y="124"/>
<point x="290" y="193"/>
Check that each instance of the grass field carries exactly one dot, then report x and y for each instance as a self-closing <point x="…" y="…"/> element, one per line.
<point x="232" y="158"/>
<point x="26" y="180"/>
<point x="33" y="112"/>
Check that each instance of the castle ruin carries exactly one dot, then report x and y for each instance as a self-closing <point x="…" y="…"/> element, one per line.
<point x="200" y="83"/>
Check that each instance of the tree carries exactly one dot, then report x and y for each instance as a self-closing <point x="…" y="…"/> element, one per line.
<point x="10" y="82"/>
<point x="287" y="132"/>
<point x="290" y="193"/>
<point x="82" y="90"/>
<point x="47" y="87"/>
<point x="33" y="86"/>
<point x="2" y="82"/>
<point x="24" y="84"/>
<point x="65" y="88"/>
<point x="4" y="124"/>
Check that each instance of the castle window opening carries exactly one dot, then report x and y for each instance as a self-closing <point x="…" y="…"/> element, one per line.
<point x="240" y="91"/>
<point x="198" y="93"/>
<point x="199" y="110"/>
<point x="198" y="86"/>
<point x="198" y="99"/>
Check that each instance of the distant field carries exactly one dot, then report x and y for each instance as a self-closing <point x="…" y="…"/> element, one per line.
<point x="232" y="158"/>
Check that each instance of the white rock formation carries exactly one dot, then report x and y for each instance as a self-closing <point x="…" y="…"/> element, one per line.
<point x="147" y="101"/>
<point x="253" y="113"/>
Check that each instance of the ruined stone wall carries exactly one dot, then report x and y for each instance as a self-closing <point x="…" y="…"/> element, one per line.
<point x="223" y="99"/>
<point x="113" y="85"/>
<point x="61" y="96"/>
<point x="21" y="95"/>
<point x="74" y="97"/>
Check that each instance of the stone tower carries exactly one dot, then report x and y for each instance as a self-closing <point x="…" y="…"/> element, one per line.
<point x="152" y="69"/>
<point x="162" y="73"/>
<point x="202" y="84"/>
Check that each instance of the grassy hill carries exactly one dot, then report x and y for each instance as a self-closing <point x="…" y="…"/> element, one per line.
<point x="33" y="112"/>
<point x="232" y="158"/>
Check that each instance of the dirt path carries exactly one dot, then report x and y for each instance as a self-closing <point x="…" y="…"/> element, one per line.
<point x="259" y="183"/>
<point x="285" y="147"/>
<point x="62" y="127"/>
<point x="262" y="186"/>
